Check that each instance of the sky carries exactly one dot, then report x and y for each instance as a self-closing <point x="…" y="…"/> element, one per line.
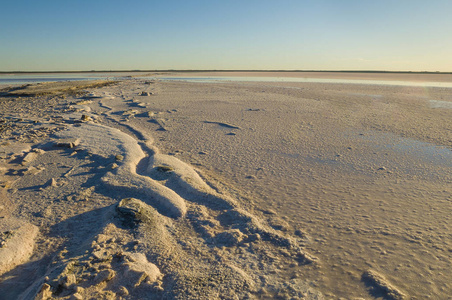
<point x="390" y="35"/>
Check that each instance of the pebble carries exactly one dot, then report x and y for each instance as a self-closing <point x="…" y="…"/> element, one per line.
<point x="44" y="293"/>
<point x="86" y="118"/>
<point x="68" y="281"/>
<point x="230" y="238"/>
<point x="105" y="275"/>
<point x="123" y="291"/>
<point x="68" y="143"/>
<point x="306" y="258"/>
<point x="29" y="158"/>
<point x="39" y="151"/>
<point x="76" y="296"/>
<point x="52" y="182"/>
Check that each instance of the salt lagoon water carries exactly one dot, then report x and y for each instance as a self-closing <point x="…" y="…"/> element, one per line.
<point x="8" y="79"/>
<point x="19" y="78"/>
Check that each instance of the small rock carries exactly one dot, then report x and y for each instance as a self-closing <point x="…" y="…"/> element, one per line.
<point x="76" y="296"/>
<point x="102" y="238"/>
<point x="123" y="291"/>
<point x="68" y="281"/>
<point x="133" y="211"/>
<point x="105" y="275"/>
<point x="129" y="206"/>
<point x="145" y="93"/>
<point x="39" y="151"/>
<point x="100" y="255"/>
<point x="139" y="269"/>
<point x="269" y="212"/>
<point x="52" y="182"/>
<point x="84" y="194"/>
<point x="29" y="158"/>
<point x="130" y="112"/>
<point x="305" y="258"/>
<point x="119" y="157"/>
<point x="284" y="252"/>
<point x="300" y="233"/>
<point x="68" y="143"/>
<point x="86" y="118"/>
<point x="164" y="169"/>
<point x="45" y="292"/>
<point x="157" y="286"/>
<point x="230" y="238"/>
<point x="254" y="237"/>
<point x="279" y="224"/>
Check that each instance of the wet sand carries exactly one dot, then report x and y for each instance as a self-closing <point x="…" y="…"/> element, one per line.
<point x="253" y="189"/>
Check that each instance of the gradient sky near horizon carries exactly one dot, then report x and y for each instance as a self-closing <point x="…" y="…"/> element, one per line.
<point x="403" y="35"/>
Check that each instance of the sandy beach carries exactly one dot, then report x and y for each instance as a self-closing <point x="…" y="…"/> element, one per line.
<point x="156" y="189"/>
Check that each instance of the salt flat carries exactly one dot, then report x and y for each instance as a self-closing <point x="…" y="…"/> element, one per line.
<point x="246" y="189"/>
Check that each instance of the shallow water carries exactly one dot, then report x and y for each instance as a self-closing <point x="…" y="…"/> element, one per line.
<point x="13" y="79"/>
<point x="8" y="79"/>
<point x="216" y="79"/>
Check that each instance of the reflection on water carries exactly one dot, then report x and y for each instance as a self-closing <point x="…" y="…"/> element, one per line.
<point x="40" y="79"/>
<point x="47" y="77"/>
<point x="15" y="79"/>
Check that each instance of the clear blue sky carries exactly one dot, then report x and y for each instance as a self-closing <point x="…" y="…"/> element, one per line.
<point x="230" y="34"/>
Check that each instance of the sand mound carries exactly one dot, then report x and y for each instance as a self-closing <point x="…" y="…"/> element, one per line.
<point x="110" y="142"/>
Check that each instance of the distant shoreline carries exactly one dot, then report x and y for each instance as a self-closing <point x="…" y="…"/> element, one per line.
<point x="328" y="75"/>
<point x="235" y="71"/>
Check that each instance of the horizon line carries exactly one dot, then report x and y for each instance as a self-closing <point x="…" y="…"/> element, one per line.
<point x="235" y="70"/>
